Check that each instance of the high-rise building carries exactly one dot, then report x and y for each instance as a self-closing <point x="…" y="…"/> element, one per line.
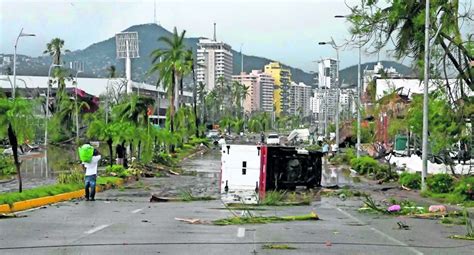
<point x="260" y="96"/>
<point x="323" y="104"/>
<point x="347" y="101"/>
<point x="300" y="95"/>
<point x="328" y="73"/>
<point x="281" y="94"/>
<point x="214" y="60"/>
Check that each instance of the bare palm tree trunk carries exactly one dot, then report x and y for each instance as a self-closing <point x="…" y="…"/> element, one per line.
<point x="109" y="143"/>
<point x="14" y="143"/>
<point x="196" y="120"/>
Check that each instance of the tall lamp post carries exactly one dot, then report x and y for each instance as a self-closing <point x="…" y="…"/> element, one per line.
<point x="47" y="105"/>
<point x="336" y="47"/>
<point x="424" y="156"/>
<point x="358" y="88"/>
<point x="77" y="108"/>
<point x="21" y="34"/>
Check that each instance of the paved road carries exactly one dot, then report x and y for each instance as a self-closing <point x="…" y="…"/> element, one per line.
<point x="129" y="224"/>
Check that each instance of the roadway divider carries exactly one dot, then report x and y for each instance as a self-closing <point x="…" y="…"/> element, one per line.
<point x="42" y="201"/>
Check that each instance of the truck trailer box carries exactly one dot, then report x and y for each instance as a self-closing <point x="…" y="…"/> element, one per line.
<point x="248" y="171"/>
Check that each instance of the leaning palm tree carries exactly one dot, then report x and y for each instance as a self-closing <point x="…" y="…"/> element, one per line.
<point x="54" y="49"/>
<point x="169" y="63"/>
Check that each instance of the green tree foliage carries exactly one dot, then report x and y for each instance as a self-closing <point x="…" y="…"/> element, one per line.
<point x="444" y="127"/>
<point x="402" y="22"/>
<point x="16" y="121"/>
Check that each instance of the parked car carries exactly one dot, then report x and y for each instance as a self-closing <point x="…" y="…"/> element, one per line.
<point x="273" y="139"/>
<point x="213" y="134"/>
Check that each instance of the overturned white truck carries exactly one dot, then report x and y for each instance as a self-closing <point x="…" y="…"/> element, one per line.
<point x="248" y="171"/>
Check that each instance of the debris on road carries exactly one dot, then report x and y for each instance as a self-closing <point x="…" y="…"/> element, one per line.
<point x="156" y="199"/>
<point x="10" y="215"/>
<point x="394" y="208"/>
<point x="191" y="221"/>
<point x="237" y="220"/>
<point x="437" y="208"/>
<point x="403" y="225"/>
<point x="278" y="247"/>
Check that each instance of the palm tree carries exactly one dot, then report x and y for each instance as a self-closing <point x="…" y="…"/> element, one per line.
<point x="54" y="49"/>
<point x="103" y="131"/>
<point x="112" y="71"/>
<point x="134" y="110"/>
<point x="201" y="91"/>
<point x="15" y="120"/>
<point x="170" y="67"/>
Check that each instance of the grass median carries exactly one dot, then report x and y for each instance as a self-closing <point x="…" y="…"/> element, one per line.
<point x="49" y="190"/>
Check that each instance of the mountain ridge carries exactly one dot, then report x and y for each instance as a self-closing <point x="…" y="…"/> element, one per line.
<point x="100" y="55"/>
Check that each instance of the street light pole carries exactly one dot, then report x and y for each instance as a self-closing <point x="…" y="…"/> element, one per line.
<point x="77" y="109"/>
<point x="21" y="34"/>
<point x="358" y="89"/>
<point x="47" y="105"/>
<point x="336" y="47"/>
<point x="358" y="100"/>
<point x="424" y="156"/>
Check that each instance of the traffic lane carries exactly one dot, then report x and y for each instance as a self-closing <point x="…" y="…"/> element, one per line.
<point x="156" y="229"/>
<point x="62" y="223"/>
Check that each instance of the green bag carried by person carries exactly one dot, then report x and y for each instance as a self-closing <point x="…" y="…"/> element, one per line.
<point x="86" y="152"/>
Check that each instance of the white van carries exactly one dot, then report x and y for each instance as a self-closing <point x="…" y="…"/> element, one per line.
<point x="273" y="139"/>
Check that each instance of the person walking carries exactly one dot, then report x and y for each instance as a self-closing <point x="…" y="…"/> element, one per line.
<point x="325" y="148"/>
<point x="91" y="175"/>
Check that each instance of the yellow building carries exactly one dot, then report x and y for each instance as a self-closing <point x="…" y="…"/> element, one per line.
<point x="282" y="79"/>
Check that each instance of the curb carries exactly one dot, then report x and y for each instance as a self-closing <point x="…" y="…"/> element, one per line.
<point x="42" y="201"/>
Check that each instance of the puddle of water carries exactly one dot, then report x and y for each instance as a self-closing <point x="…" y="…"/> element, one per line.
<point x="334" y="176"/>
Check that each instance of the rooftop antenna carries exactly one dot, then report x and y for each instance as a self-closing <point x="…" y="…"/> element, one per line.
<point x="215" y="31"/>
<point x="154" y="12"/>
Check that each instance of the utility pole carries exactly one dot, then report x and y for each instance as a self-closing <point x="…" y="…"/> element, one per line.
<point x="358" y="99"/>
<point x="21" y="34"/>
<point x="424" y="156"/>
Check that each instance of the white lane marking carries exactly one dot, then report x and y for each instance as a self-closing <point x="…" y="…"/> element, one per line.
<point x="240" y="232"/>
<point x="415" y="251"/>
<point x="137" y="210"/>
<point x="98" y="228"/>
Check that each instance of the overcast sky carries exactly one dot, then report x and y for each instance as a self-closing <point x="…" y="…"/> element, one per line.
<point x="285" y="30"/>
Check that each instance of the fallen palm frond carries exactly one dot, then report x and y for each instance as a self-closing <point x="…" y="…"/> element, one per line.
<point x="278" y="247"/>
<point x="370" y="205"/>
<point x="264" y="219"/>
<point x="187" y="196"/>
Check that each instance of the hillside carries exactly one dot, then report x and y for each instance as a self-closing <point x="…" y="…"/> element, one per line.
<point x="98" y="56"/>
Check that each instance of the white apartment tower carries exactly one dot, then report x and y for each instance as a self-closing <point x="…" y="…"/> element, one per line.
<point x="327" y="73"/>
<point x="300" y="95"/>
<point x="214" y="60"/>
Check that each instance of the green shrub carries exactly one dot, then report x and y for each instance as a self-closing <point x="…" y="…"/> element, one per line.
<point x="73" y="177"/>
<point x="440" y="183"/>
<point x="314" y="147"/>
<point x="364" y="165"/>
<point x="163" y="158"/>
<point x="345" y="157"/>
<point x="7" y="166"/>
<point x="385" y="172"/>
<point x="117" y="170"/>
<point x="197" y="141"/>
<point x="188" y="147"/>
<point x="465" y="186"/>
<point x="410" y="180"/>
